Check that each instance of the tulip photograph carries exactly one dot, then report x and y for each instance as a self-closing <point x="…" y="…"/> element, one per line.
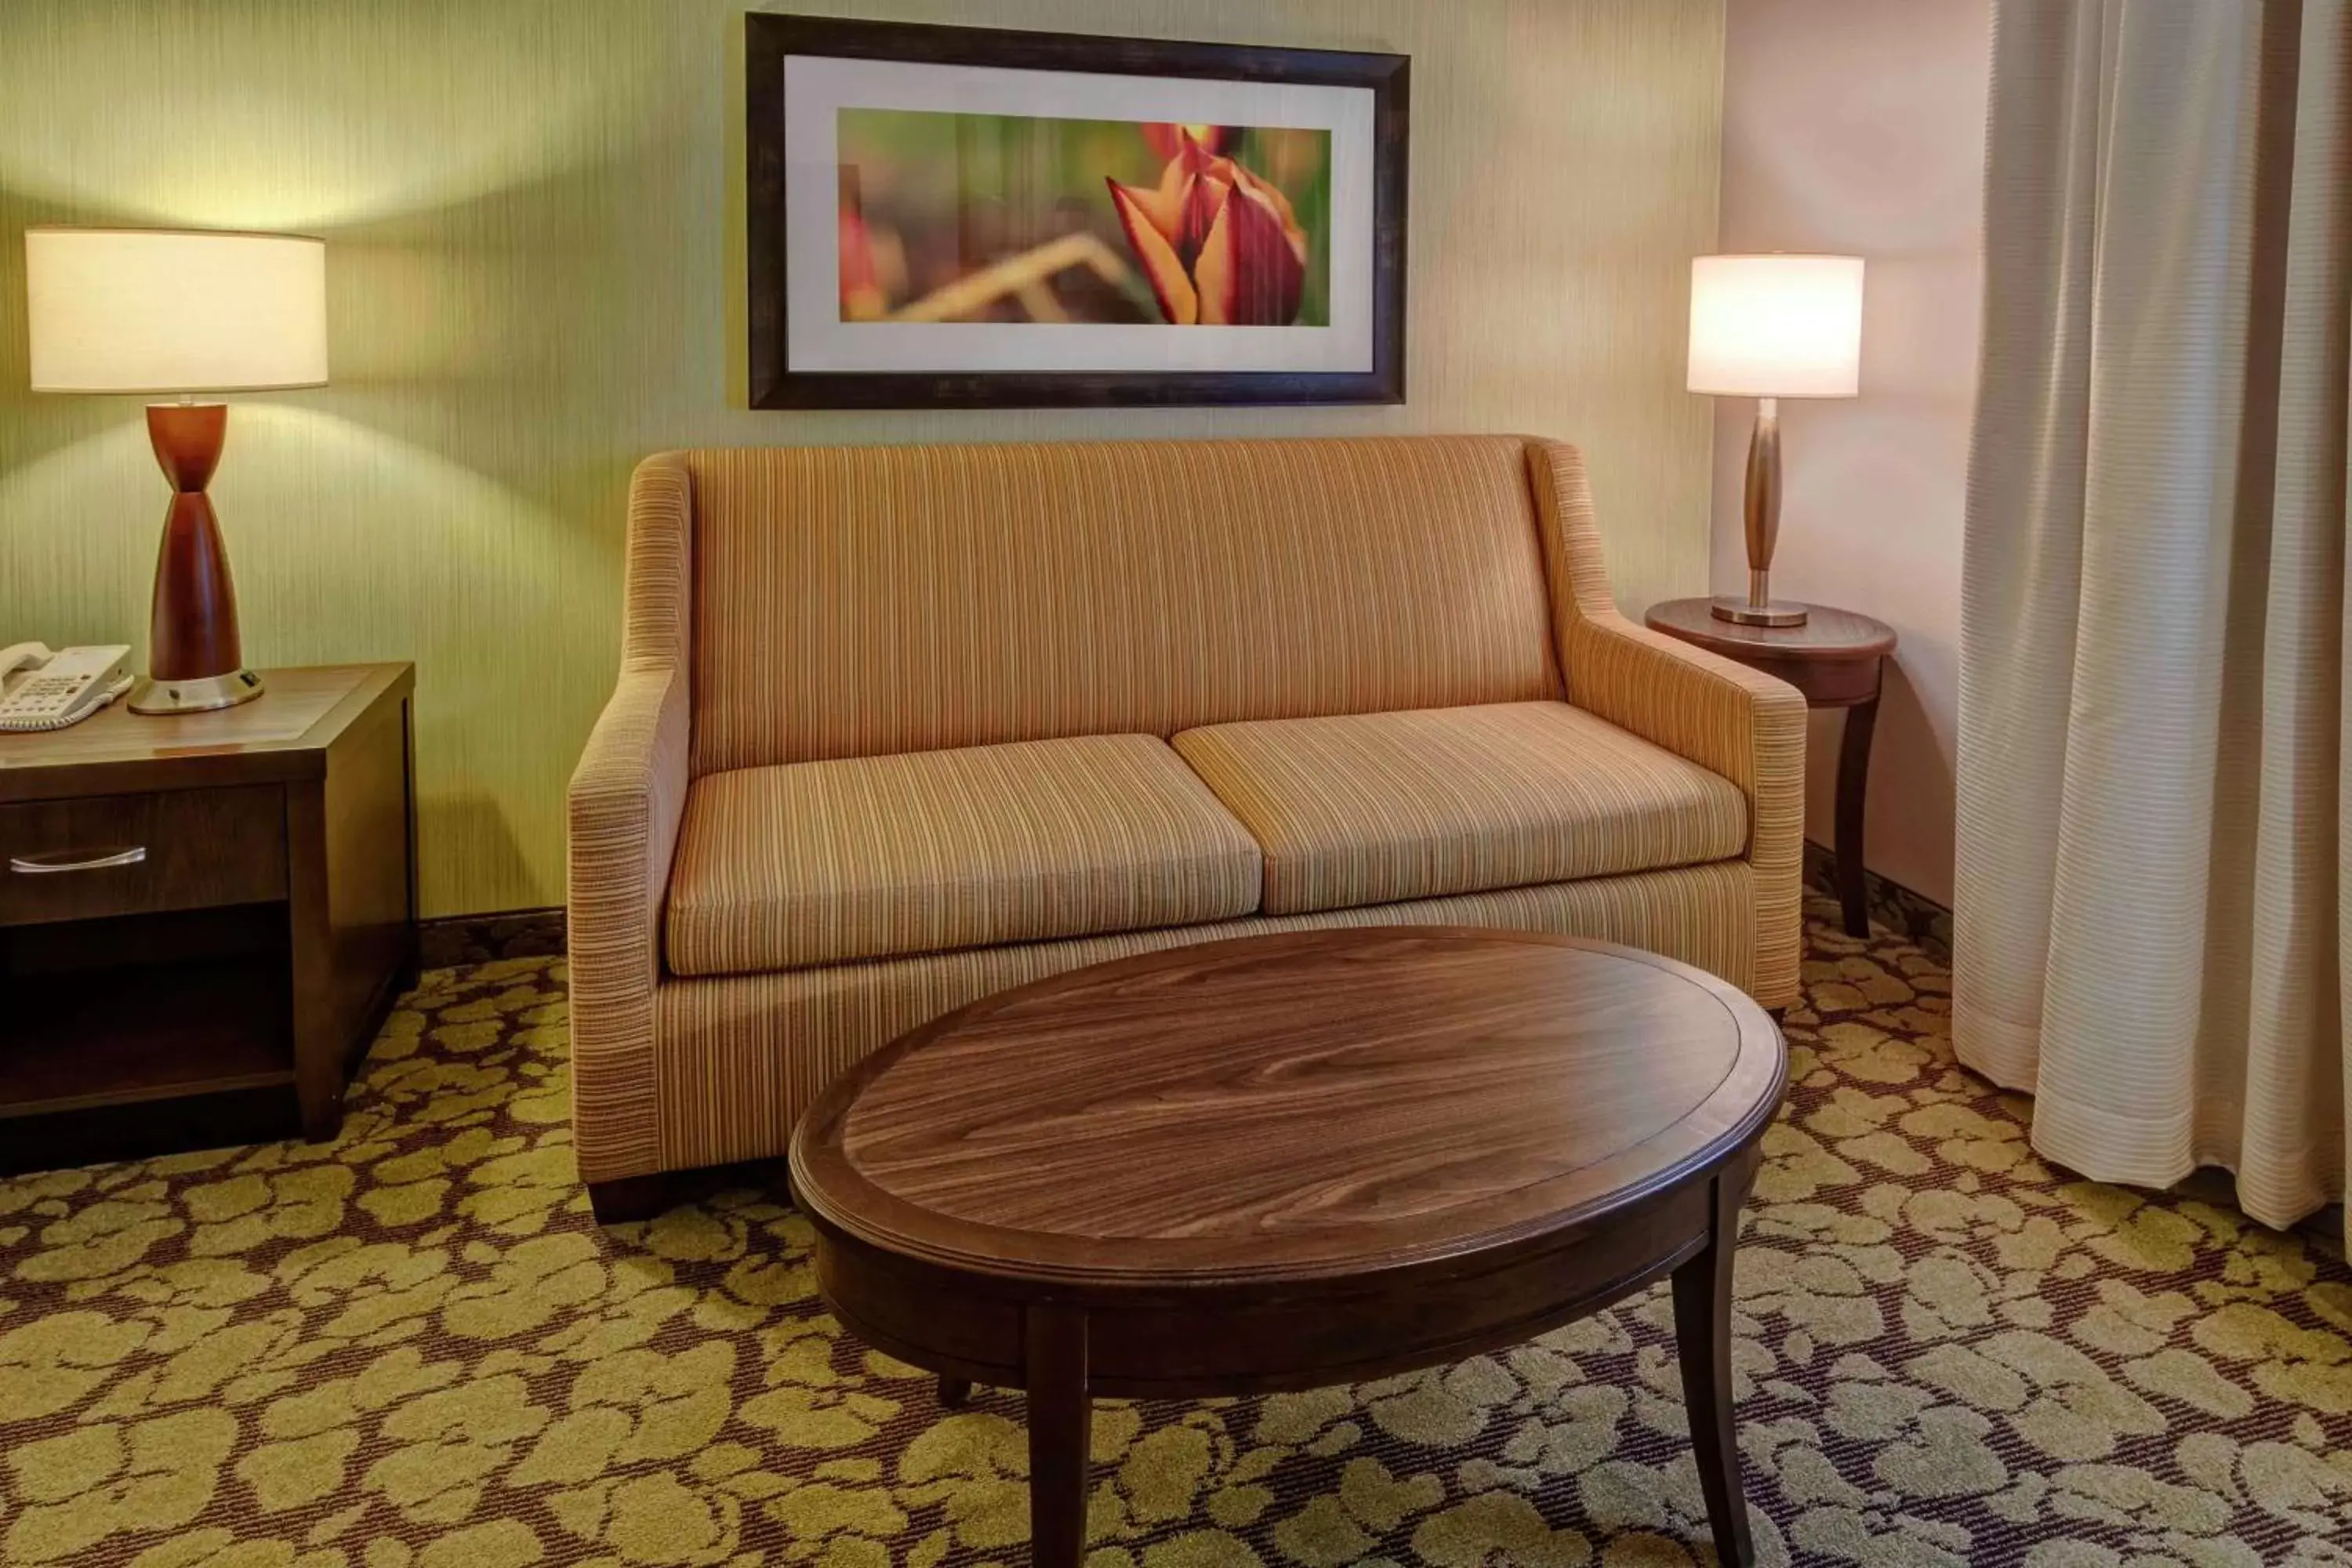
<point x="950" y="217"/>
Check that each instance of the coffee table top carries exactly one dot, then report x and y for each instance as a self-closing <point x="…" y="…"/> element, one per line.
<point x="1302" y="1105"/>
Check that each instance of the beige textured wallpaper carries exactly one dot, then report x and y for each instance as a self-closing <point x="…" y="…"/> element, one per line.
<point x="535" y="269"/>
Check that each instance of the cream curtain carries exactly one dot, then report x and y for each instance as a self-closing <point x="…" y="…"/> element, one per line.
<point x="2153" y="872"/>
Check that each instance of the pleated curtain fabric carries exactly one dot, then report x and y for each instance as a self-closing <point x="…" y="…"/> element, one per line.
<point x="2153" y="874"/>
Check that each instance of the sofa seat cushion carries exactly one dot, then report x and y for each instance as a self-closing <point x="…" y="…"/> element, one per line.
<point x="811" y="863"/>
<point x="1374" y="807"/>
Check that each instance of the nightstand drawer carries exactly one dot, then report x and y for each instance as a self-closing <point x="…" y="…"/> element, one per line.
<point x="141" y="854"/>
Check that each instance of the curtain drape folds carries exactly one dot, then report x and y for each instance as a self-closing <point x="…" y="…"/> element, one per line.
<point x="2152" y="860"/>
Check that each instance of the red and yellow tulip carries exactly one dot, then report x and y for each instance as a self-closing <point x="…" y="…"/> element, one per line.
<point x="1220" y="246"/>
<point x="1167" y="139"/>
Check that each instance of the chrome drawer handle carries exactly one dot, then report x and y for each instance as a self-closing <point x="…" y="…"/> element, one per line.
<point x="54" y="861"/>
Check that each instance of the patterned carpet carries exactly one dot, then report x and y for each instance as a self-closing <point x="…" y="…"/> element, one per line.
<point x="413" y="1348"/>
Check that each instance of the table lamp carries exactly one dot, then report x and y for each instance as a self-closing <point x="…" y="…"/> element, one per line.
<point x="180" y="310"/>
<point x="1769" y="326"/>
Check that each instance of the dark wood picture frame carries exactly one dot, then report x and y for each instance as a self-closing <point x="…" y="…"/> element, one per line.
<point x="769" y="37"/>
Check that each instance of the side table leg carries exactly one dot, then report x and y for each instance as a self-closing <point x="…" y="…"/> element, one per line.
<point x="1853" y="786"/>
<point x="319" y="1049"/>
<point x="1059" y="1422"/>
<point x="1703" y="1341"/>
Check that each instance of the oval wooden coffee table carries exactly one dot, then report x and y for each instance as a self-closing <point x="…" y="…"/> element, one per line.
<point x="1283" y="1162"/>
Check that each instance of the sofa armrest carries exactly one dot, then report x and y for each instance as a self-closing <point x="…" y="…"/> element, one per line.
<point x="1746" y="725"/>
<point x="625" y="803"/>
<point x="1741" y="723"/>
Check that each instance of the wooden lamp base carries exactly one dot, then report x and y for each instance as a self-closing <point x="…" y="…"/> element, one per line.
<point x="195" y="660"/>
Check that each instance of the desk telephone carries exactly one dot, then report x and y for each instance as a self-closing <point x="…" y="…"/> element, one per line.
<point x="58" y="689"/>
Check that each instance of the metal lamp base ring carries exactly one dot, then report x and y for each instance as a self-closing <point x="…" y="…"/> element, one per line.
<point x="1775" y="613"/>
<point x="201" y="695"/>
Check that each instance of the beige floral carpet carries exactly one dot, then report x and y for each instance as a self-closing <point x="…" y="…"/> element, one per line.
<point x="415" y="1348"/>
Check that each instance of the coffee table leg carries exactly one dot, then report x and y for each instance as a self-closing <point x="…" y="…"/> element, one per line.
<point x="1059" y="1419"/>
<point x="1703" y="1338"/>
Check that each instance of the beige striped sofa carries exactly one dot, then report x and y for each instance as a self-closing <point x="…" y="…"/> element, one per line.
<point x="897" y="727"/>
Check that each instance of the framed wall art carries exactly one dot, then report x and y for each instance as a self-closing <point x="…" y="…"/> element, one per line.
<point x="973" y="217"/>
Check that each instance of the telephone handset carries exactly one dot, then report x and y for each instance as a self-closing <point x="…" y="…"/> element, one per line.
<point x="58" y="689"/>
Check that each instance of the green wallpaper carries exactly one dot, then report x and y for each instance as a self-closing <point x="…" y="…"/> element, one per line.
<point x="534" y="270"/>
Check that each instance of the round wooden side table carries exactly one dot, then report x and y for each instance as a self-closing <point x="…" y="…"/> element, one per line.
<point x="1836" y="658"/>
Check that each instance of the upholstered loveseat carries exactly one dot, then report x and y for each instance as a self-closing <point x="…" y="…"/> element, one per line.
<point x="897" y="727"/>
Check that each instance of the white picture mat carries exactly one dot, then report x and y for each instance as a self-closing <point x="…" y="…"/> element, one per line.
<point x="816" y="88"/>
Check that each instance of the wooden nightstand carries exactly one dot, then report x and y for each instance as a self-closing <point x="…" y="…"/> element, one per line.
<point x="203" y="916"/>
<point x="1836" y="660"/>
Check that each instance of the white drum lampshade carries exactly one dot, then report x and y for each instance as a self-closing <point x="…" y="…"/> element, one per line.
<point x="1776" y="326"/>
<point x="178" y="310"/>
<point x="167" y="311"/>
<point x="1769" y="326"/>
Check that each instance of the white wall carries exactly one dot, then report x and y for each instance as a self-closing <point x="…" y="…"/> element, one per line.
<point x="1857" y="126"/>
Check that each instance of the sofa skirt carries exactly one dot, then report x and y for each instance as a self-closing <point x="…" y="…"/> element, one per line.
<point x="738" y="1058"/>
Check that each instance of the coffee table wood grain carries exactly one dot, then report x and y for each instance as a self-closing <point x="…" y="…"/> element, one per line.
<point x="1291" y="1161"/>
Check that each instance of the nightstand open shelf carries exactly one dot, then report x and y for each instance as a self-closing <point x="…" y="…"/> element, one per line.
<point x="218" y="986"/>
<point x="123" y="1035"/>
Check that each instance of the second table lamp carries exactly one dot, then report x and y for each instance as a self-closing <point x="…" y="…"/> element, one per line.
<point x="1769" y="326"/>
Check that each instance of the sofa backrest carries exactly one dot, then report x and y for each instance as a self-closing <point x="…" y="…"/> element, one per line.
<point x="855" y="601"/>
